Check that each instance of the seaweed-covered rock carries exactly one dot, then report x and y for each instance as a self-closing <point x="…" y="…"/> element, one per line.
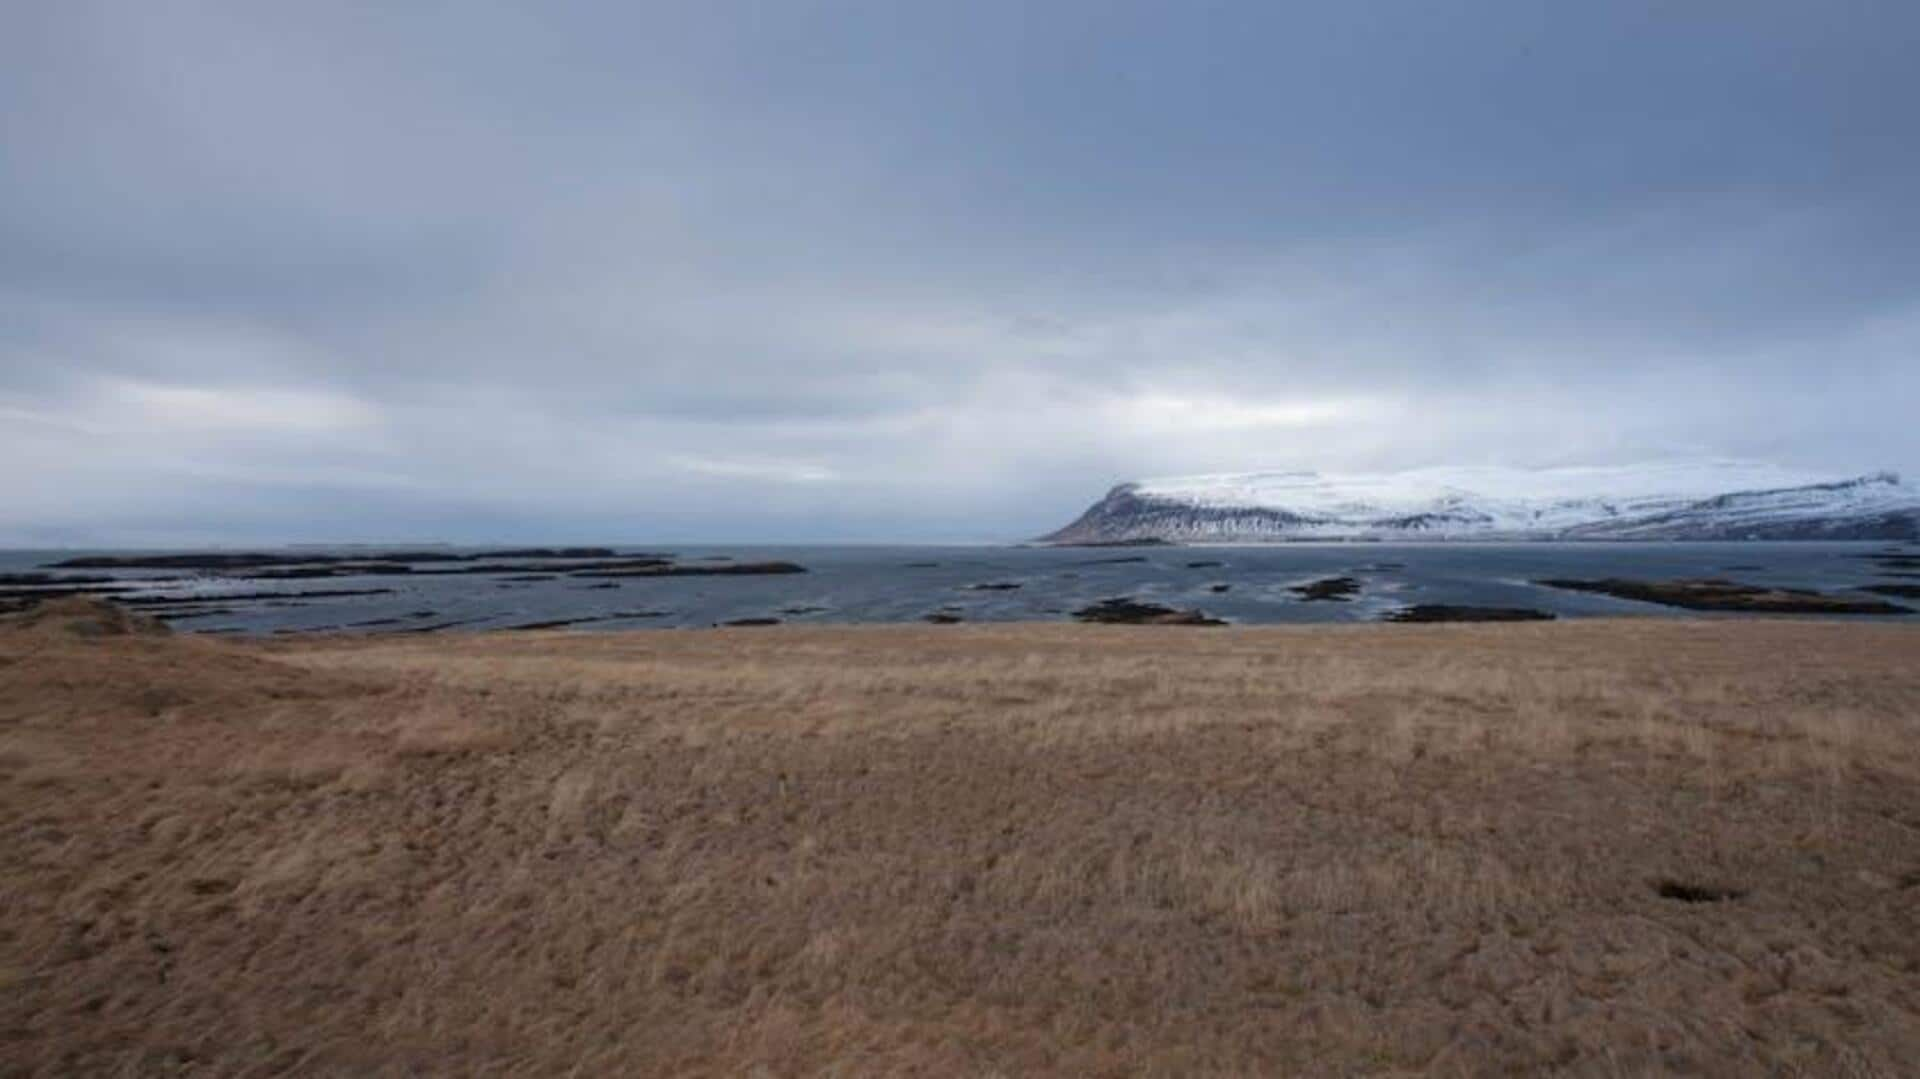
<point x="1716" y="594"/>
<point x="1336" y="589"/>
<point x="1132" y="612"/>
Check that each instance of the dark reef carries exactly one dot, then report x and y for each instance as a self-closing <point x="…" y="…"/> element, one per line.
<point x="1336" y="589"/>
<point x="1132" y="612"/>
<point x="1716" y="594"/>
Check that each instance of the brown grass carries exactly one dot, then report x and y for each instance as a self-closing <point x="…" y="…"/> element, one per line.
<point x="966" y="850"/>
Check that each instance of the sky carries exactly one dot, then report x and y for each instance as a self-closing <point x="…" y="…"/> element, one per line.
<point x="924" y="271"/>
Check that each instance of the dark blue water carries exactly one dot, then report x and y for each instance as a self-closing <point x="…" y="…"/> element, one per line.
<point x="905" y="584"/>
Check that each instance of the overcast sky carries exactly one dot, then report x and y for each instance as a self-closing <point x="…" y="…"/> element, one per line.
<point x="920" y="271"/>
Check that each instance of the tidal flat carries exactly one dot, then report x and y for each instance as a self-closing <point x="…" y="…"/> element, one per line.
<point x="1580" y="847"/>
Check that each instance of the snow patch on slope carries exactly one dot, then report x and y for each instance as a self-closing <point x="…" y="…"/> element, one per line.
<point x="1713" y="499"/>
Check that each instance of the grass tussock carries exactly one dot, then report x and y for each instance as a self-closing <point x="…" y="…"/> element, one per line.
<point x="1587" y="848"/>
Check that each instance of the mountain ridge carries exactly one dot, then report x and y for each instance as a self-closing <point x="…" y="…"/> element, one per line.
<point x="1716" y="500"/>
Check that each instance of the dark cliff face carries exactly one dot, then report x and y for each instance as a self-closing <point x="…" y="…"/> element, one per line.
<point x="1125" y="514"/>
<point x="1111" y="518"/>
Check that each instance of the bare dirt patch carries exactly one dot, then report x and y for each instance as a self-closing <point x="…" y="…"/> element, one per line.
<point x="974" y="850"/>
<point x="1697" y="893"/>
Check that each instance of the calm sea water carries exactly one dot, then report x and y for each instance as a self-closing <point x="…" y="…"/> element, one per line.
<point x="905" y="584"/>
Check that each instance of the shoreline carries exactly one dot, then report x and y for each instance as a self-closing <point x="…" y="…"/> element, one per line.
<point x="1694" y="619"/>
<point x="260" y="593"/>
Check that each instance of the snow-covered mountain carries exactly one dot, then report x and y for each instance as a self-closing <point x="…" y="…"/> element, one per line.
<point x="1718" y="500"/>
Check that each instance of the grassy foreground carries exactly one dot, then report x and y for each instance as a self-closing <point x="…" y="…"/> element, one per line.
<point x="966" y="850"/>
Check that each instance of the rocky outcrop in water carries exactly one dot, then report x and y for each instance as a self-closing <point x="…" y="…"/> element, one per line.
<point x="735" y="569"/>
<point x="1715" y="594"/>
<point x="1335" y="589"/>
<point x="1132" y="612"/>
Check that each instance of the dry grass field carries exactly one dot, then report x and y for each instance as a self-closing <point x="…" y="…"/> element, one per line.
<point x="966" y="850"/>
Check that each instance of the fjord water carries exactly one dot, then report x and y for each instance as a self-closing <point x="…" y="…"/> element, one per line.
<point x="905" y="584"/>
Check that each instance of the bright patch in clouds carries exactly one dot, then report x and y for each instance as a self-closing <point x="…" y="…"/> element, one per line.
<point x="818" y="272"/>
<point x="764" y="470"/>
<point x="1167" y="414"/>
<point x="213" y="410"/>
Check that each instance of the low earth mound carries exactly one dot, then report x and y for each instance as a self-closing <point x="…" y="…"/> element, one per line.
<point x="81" y="616"/>
<point x="88" y="673"/>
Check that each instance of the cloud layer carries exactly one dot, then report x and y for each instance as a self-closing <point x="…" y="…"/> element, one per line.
<point x="829" y="271"/>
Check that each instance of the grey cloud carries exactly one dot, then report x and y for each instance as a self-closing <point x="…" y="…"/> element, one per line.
<point x="838" y="270"/>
